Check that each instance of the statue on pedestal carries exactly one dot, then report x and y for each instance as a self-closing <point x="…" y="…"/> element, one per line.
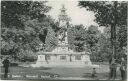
<point x="63" y="20"/>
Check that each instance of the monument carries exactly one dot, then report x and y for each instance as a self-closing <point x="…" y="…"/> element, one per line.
<point x="62" y="55"/>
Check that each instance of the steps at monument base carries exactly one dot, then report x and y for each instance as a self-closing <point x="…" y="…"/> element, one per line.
<point x="64" y="64"/>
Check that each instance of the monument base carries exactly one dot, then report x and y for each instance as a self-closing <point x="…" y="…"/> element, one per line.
<point x="63" y="57"/>
<point x="64" y="64"/>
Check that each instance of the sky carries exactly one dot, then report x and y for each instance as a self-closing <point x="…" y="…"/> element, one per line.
<point x="78" y="15"/>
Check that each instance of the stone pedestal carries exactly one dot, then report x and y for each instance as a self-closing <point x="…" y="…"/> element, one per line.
<point x="62" y="55"/>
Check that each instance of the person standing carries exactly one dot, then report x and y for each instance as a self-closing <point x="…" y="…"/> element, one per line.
<point x="113" y="67"/>
<point x="94" y="73"/>
<point x="123" y="69"/>
<point x="6" y="64"/>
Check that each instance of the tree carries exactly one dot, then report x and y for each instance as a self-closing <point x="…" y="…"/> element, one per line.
<point x="22" y="23"/>
<point x="105" y="49"/>
<point x="76" y="37"/>
<point x="92" y="40"/>
<point x="51" y="40"/>
<point x="92" y="35"/>
<point x="13" y="11"/>
<point x="108" y="14"/>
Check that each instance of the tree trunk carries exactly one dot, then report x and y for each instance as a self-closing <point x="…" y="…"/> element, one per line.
<point x="113" y="40"/>
<point x="113" y="35"/>
<point x="113" y="30"/>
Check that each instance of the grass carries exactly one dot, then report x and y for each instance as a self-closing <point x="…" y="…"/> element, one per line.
<point x="102" y="72"/>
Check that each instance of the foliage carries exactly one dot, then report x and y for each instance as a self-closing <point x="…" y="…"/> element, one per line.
<point x="22" y="23"/>
<point x="51" y="40"/>
<point x="12" y="11"/>
<point x="106" y="10"/>
<point x="110" y="14"/>
<point x="92" y="35"/>
<point x="120" y="42"/>
<point x="122" y="36"/>
<point x="76" y="37"/>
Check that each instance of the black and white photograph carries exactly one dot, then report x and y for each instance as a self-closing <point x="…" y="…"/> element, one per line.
<point x="63" y="40"/>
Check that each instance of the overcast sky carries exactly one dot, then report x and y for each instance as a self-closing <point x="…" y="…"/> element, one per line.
<point x="77" y="14"/>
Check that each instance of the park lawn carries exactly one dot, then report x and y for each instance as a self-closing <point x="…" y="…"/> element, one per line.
<point x="82" y="72"/>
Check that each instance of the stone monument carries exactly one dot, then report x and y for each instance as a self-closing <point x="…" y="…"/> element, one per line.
<point x="62" y="55"/>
